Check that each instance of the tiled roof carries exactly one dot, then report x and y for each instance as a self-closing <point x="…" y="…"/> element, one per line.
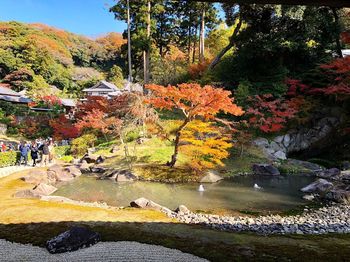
<point x="8" y="92"/>
<point x="15" y="99"/>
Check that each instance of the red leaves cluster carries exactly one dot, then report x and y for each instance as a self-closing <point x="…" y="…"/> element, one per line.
<point x="338" y="70"/>
<point x="194" y="100"/>
<point x="64" y="128"/>
<point x="48" y="101"/>
<point x="270" y="114"/>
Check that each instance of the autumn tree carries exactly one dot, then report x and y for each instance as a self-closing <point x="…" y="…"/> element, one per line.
<point x="270" y="114"/>
<point x="205" y="144"/>
<point x="63" y="128"/>
<point x="192" y="101"/>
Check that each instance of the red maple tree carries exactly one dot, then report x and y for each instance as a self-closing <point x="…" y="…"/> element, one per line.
<point x="270" y="114"/>
<point x="192" y="101"/>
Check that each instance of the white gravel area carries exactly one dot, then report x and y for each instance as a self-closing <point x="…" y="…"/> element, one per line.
<point x="103" y="251"/>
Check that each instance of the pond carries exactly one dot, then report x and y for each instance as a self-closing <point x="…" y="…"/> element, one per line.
<point x="237" y="194"/>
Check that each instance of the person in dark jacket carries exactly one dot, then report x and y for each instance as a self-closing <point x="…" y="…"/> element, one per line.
<point x="24" y="150"/>
<point x="46" y="153"/>
<point x="34" y="152"/>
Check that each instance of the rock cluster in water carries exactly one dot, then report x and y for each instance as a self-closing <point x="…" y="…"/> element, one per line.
<point x="330" y="219"/>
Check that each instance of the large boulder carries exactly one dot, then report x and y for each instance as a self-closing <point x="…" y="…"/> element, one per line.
<point x="43" y="190"/>
<point x="320" y="186"/>
<point x="60" y="174"/>
<point x="85" y="167"/>
<point x="73" y="171"/>
<point x="119" y="175"/>
<point x="148" y="204"/>
<point x="28" y="193"/>
<point x="338" y="195"/>
<point x="93" y="159"/>
<point x="182" y="209"/>
<point x="345" y="175"/>
<point x="98" y="169"/>
<point x="125" y="176"/>
<point x="329" y="173"/>
<point x="305" y="165"/>
<point x="36" y="177"/>
<point x="211" y="177"/>
<point x="74" y="239"/>
<point x="265" y="170"/>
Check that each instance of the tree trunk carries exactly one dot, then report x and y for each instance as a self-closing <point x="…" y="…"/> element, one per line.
<point x="146" y="53"/>
<point x="228" y="47"/>
<point x="194" y="46"/>
<point x="189" y="44"/>
<point x="337" y="39"/>
<point x="176" y="143"/>
<point x="202" y="38"/>
<point x="129" y="43"/>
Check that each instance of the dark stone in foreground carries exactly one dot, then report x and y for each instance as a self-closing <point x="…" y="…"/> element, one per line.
<point x="265" y="170"/>
<point x="73" y="239"/>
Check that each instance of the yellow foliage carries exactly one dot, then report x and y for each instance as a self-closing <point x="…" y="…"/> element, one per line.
<point x="205" y="144"/>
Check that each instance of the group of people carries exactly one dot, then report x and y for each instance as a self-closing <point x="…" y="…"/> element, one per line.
<point x="40" y="150"/>
<point x="4" y="147"/>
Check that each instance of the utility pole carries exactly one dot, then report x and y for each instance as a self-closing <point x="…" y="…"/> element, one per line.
<point x="146" y="53"/>
<point x="129" y="43"/>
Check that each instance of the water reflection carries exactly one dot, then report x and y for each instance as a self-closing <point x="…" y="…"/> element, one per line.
<point x="276" y="194"/>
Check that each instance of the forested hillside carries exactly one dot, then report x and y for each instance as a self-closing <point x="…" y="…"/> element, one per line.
<point x="36" y="57"/>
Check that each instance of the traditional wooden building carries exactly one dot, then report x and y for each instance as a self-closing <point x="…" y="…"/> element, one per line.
<point x="103" y="88"/>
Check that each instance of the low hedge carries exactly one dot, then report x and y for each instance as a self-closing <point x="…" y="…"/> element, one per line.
<point x="11" y="158"/>
<point x="8" y="158"/>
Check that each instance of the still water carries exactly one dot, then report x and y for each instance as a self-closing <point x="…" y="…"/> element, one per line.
<point x="276" y="194"/>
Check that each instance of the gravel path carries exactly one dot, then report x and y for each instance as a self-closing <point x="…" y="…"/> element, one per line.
<point x="6" y="171"/>
<point x="329" y="219"/>
<point x="104" y="251"/>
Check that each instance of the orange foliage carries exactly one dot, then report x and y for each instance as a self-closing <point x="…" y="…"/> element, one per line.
<point x="197" y="70"/>
<point x="194" y="100"/>
<point x="205" y="145"/>
<point x="175" y="54"/>
<point x="111" y="41"/>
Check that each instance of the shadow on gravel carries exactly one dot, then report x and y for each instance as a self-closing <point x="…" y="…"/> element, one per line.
<point x="206" y="243"/>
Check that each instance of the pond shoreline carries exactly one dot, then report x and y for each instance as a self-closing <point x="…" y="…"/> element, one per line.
<point x="329" y="219"/>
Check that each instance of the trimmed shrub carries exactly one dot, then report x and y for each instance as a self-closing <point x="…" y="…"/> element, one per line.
<point x="61" y="151"/>
<point x="81" y="144"/>
<point x="8" y="158"/>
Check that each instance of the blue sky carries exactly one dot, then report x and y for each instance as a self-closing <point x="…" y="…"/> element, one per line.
<point x="86" y="17"/>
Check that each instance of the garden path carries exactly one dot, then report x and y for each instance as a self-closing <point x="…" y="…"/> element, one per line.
<point x="6" y="171"/>
<point x="104" y="251"/>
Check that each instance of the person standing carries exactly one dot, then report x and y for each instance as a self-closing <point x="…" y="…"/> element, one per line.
<point x="34" y="152"/>
<point x="51" y="150"/>
<point x="46" y="153"/>
<point x="24" y="150"/>
<point x="2" y="147"/>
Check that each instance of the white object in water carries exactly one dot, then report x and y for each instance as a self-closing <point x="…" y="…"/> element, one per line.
<point x="256" y="186"/>
<point x="201" y="188"/>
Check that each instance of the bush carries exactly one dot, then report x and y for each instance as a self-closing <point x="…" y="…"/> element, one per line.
<point x="81" y="144"/>
<point x="8" y="158"/>
<point x="242" y="92"/>
<point x="67" y="159"/>
<point x="62" y="151"/>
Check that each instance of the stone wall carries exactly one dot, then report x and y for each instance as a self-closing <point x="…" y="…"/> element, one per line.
<point x="298" y="139"/>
